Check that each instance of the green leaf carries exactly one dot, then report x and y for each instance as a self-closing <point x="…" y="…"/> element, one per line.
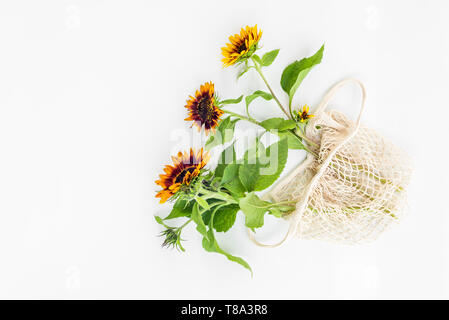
<point x="253" y="152"/>
<point x="273" y="162"/>
<point x="294" y="74"/>
<point x="202" y="203"/>
<point x="236" y="188"/>
<point x="224" y="134"/>
<point x="232" y="101"/>
<point x="271" y="123"/>
<point x="228" y="132"/>
<point x="217" y="138"/>
<point x="276" y="212"/>
<point x="159" y="220"/>
<point x="268" y="58"/>
<point x="285" y="208"/>
<point x="181" y="208"/>
<point x="249" y="165"/>
<point x="256" y="94"/>
<point x="278" y="124"/>
<point x="242" y="73"/>
<point x="248" y="174"/>
<point x="257" y="58"/>
<point x="254" y="209"/>
<point x="224" y="217"/>
<point x="227" y="157"/>
<point x="293" y="141"/>
<point x="210" y="244"/>
<point x="287" y="125"/>
<point x="230" y="172"/>
<point x="198" y="219"/>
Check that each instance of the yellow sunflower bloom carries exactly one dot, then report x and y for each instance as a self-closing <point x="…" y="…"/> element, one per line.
<point x="203" y="110"/>
<point x="186" y="167"/>
<point x="304" y="114"/>
<point x="242" y="46"/>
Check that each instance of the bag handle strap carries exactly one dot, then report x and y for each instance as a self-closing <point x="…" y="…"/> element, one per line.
<point x="300" y="206"/>
<point x="331" y="93"/>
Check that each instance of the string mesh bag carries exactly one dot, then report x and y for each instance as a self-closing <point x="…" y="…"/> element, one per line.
<point x="352" y="188"/>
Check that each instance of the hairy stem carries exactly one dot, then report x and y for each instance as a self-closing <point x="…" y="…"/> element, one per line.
<point x="305" y="146"/>
<point x="301" y="133"/>
<point x="259" y="71"/>
<point x="241" y="117"/>
<point x="186" y="223"/>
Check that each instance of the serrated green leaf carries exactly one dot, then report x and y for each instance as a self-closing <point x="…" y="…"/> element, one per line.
<point x="236" y="188"/>
<point x="269" y="57"/>
<point x="224" y="217"/>
<point x="254" y="151"/>
<point x="294" y="74"/>
<point x="181" y="208"/>
<point x="272" y="164"/>
<point x="254" y="209"/>
<point x="248" y="174"/>
<point x="232" y="101"/>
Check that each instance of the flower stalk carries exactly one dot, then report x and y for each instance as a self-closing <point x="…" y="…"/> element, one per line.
<point x="211" y="198"/>
<point x="259" y="71"/>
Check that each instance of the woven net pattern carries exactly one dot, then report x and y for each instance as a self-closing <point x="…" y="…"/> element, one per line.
<point x="359" y="193"/>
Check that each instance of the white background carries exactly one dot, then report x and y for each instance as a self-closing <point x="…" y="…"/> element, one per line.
<point x="91" y="105"/>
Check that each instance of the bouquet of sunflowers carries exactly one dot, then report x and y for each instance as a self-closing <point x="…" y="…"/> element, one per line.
<point x="349" y="189"/>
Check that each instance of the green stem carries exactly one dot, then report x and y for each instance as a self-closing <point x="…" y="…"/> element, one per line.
<point x="209" y="194"/>
<point x="187" y="222"/>
<point x="241" y="117"/>
<point x="299" y="137"/>
<point x="290" y="107"/>
<point x="301" y="134"/>
<point x="259" y="71"/>
<point x="284" y="202"/>
<point x="300" y="140"/>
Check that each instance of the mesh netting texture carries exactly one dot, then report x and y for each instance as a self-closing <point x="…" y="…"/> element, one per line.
<point x="353" y="189"/>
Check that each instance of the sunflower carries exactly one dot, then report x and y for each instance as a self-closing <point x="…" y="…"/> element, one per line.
<point x="203" y="109"/>
<point x="304" y="114"/>
<point x="186" y="167"/>
<point x="242" y="46"/>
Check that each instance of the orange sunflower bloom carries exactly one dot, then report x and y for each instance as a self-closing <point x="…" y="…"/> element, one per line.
<point x="186" y="167"/>
<point x="203" y="109"/>
<point x="304" y="114"/>
<point x="241" y="46"/>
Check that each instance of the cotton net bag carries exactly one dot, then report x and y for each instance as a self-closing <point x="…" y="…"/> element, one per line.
<point x="355" y="187"/>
